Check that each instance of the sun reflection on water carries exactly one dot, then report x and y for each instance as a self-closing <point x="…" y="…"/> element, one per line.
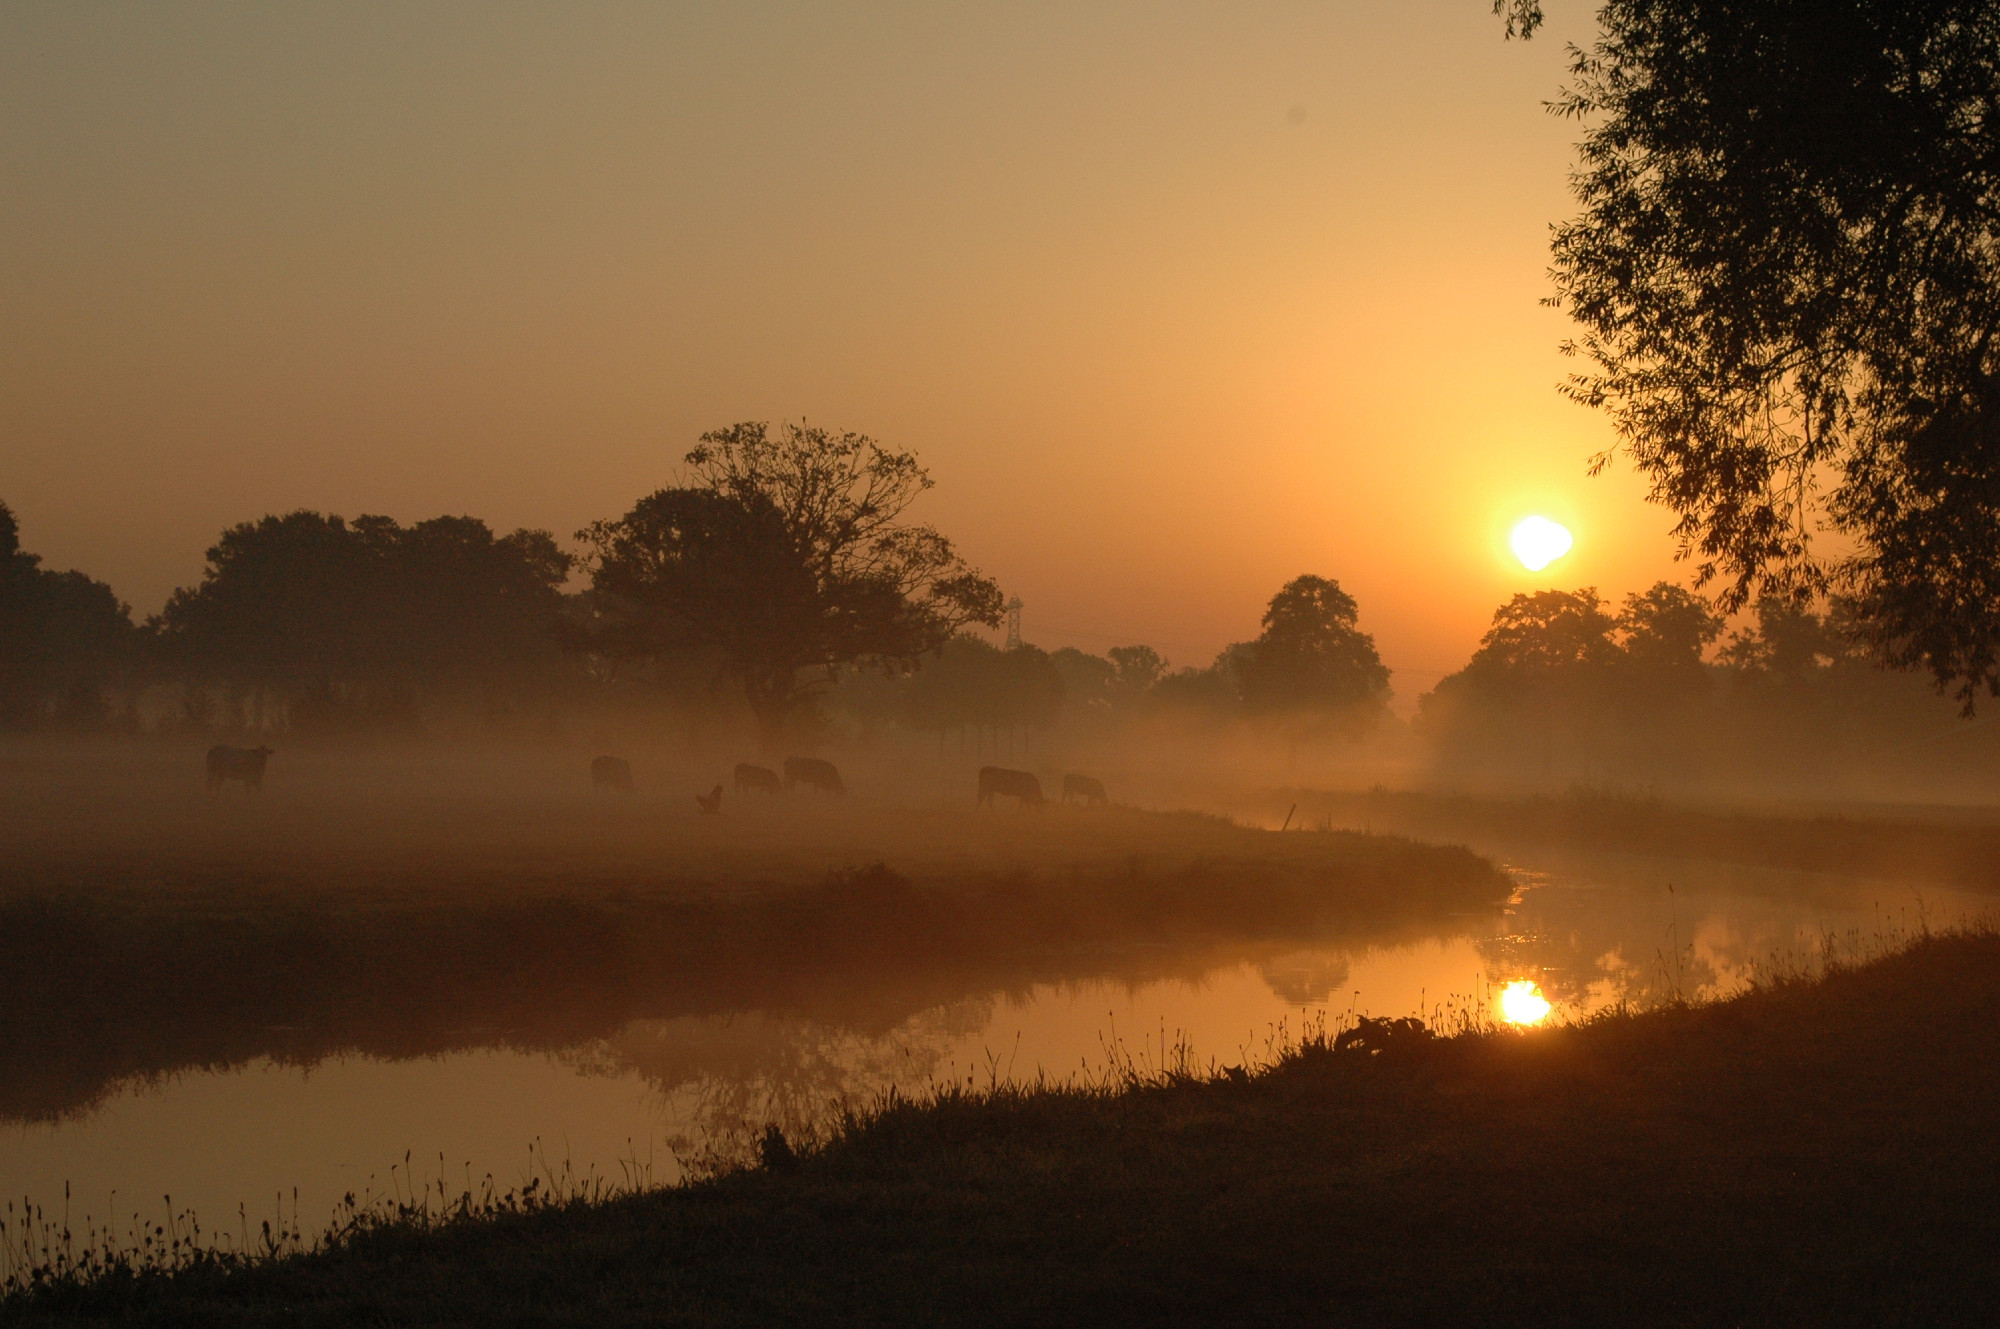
<point x="1522" y="1002"/>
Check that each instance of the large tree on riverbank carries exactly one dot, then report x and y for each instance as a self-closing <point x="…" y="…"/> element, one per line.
<point x="1786" y="271"/>
<point x="785" y="556"/>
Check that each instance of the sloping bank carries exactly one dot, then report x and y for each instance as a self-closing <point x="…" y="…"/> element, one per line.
<point x="1811" y="1153"/>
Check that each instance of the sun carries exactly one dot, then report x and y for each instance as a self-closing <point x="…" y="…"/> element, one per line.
<point x="1521" y="1002"/>
<point x="1538" y="542"/>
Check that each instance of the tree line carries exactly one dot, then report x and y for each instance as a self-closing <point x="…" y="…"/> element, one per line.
<point x="1564" y="687"/>
<point x="782" y="577"/>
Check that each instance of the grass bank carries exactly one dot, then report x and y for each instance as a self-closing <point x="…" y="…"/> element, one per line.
<point x="1810" y="1153"/>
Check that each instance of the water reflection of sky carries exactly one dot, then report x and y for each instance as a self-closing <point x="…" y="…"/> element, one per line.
<point x="1585" y="934"/>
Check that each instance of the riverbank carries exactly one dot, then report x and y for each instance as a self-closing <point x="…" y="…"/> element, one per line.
<point x="1952" y="847"/>
<point x="1813" y="1152"/>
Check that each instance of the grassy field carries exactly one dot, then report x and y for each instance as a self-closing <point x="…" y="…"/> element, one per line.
<point x="1815" y="1152"/>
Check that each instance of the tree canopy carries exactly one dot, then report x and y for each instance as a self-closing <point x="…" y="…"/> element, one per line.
<point x="63" y="638"/>
<point x="1786" y="274"/>
<point x="785" y="554"/>
<point x="307" y="603"/>
<point x="1312" y="656"/>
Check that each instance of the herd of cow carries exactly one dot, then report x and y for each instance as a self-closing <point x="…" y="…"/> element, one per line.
<point x="614" y="774"/>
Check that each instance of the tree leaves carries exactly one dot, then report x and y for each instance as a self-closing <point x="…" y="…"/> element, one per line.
<point x="1787" y="275"/>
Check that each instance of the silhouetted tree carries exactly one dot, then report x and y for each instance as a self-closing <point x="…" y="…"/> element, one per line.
<point x="333" y="617"/>
<point x="1214" y="690"/>
<point x="786" y="556"/>
<point x="1546" y="630"/>
<point x="1667" y="627"/>
<point x="64" y="639"/>
<point x="973" y="684"/>
<point x="1137" y="668"/>
<point x="1535" y="693"/>
<point x="1311" y="656"/>
<point x="1087" y="682"/>
<point x="1787" y="275"/>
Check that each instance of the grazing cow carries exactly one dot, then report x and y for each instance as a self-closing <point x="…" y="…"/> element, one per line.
<point x="1023" y="785"/>
<point x="611" y="773"/>
<point x="750" y="777"/>
<point x="1084" y="789"/>
<point x="245" y="764"/>
<point x="813" y="774"/>
<point x="710" y="802"/>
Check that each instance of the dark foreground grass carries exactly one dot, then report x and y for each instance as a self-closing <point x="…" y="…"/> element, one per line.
<point x="1811" y="1153"/>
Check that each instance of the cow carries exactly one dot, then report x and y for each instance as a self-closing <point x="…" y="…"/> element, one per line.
<point x="750" y="777"/>
<point x="813" y="774"/>
<point x="1084" y="789"/>
<point x="710" y="802"/>
<point x="1023" y="785"/>
<point x="246" y="764"/>
<point x="611" y="773"/>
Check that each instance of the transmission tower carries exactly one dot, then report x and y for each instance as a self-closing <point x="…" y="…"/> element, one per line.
<point x="1013" y="608"/>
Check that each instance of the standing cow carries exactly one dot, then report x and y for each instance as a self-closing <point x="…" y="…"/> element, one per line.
<point x="996" y="780"/>
<point x="813" y="774"/>
<point x="246" y="764"/>
<point x="1084" y="789"/>
<point x="611" y="773"/>
<point x="762" y="779"/>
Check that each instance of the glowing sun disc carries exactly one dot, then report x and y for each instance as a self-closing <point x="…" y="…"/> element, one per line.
<point x="1538" y="542"/>
<point x="1521" y="1002"/>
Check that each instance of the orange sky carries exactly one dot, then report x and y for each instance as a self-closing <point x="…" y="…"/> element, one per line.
<point x="1176" y="301"/>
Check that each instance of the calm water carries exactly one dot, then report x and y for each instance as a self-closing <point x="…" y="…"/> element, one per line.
<point x="263" y="1138"/>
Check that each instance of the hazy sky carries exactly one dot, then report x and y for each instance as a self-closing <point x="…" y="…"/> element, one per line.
<point x="1176" y="301"/>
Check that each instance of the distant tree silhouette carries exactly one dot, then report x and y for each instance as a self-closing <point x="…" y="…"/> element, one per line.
<point x="1137" y="668"/>
<point x="1311" y="657"/>
<point x="974" y="684"/>
<point x="1786" y="272"/>
<point x="1536" y="691"/>
<point x="788" y="558"/>
<point x="64" y="640"/>
<point x="1789" y="641"/>
<point x="1546" y="630"/>
<point x="1667" y="627"/>
<point x="1087" y="682"/>
<point x="1214" y="690"/>
<point x="1560" y="691"/>
<point x="348" y="619"/>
